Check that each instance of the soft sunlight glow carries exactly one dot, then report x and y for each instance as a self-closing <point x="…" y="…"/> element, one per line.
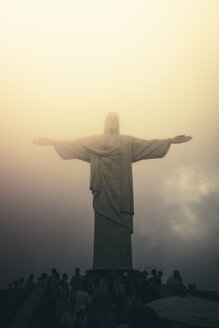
<point x="64" y="66"/>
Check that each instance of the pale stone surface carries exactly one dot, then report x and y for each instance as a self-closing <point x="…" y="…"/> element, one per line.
<point x="111" y="158"/>
<point x="112" y="244"/>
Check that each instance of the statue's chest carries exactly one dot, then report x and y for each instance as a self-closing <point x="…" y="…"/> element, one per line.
<point x="116" y="144"/>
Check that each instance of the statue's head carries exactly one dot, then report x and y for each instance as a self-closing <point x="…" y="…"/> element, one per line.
<point x="112" y="123"/>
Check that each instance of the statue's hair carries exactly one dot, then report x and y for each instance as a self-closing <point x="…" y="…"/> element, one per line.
<point x="105" y="128"/>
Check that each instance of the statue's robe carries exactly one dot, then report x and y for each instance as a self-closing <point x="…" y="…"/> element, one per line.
<point x="111" y="158"/>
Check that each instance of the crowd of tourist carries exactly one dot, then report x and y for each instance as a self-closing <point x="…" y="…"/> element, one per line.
<point x="114" y="300"/>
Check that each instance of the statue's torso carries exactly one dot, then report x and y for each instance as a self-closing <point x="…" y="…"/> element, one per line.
<point x="111" y="177"/>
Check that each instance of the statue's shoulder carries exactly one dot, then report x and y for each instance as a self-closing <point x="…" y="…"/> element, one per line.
<point x="126" y="138"/>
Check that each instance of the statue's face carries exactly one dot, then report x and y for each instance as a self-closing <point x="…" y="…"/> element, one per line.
<point x="112" y="123"/>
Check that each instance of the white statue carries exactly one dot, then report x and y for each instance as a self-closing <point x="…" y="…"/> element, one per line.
<point x="111" y="156"/>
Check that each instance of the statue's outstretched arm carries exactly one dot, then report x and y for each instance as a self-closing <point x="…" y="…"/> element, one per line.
<point x="180" y="139"/>
<point x="157" y="148"/>
<point x="68" y="149"/>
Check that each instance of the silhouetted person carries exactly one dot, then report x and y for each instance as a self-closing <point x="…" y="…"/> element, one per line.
<point x="143" y="286"/>
<point x="176" y="283"/>
<point x="52" y="278"/>
<point x="154" y="276"/>
<point x="82" y="297"/>
<point x="30" y="282"/>
<point x="159" y="277"/>
<point x="153" y="287"/>
<point x="21" y="282"/>
<point x="61" y="296"/>
<point x="127" y="283"/>
<point x="16" y="284"/>
<point x="76" y="280"/>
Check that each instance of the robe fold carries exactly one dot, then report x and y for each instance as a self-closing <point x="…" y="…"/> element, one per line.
<point x="111" y="158"/>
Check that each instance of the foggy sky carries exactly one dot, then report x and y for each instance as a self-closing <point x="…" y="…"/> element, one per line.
<point x="157" y="66"/>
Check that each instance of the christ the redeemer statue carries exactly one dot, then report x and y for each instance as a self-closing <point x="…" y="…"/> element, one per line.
<point x="111" y="156"/>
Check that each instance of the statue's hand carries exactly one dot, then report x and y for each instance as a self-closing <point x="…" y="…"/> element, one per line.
<point x="43" y="142"/>
<point x="180" y="139"/>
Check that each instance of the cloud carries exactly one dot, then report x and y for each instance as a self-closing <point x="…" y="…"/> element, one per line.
<point x="182" y="231"/>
